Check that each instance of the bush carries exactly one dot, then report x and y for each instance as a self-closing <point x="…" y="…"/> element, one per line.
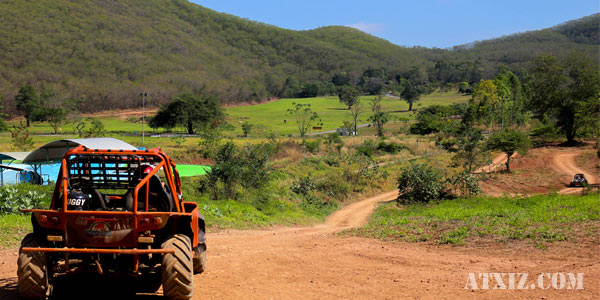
<point x="303" y="186"/>
<point x="312" y="146"/>
<point x="333" y="186"/>
<point x="419" y="183"/>
<point x="367" y="148"/>
<point x="465" y="184"/>
<point x="13" y="198"/>
<point x="391" y="147"/>
<point x="331" y="161"/>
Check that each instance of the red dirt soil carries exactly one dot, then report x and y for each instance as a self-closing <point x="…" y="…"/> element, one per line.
<point x="542" y="170"/>
<point x="315" y="263"/>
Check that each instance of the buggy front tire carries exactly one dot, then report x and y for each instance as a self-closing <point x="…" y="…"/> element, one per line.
<point x="32" y="271"/>
<point x="177" y="268"/>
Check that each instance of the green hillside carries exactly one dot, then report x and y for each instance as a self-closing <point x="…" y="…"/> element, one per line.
<point x="106" y="52"/>
<point x="517" y="50"/>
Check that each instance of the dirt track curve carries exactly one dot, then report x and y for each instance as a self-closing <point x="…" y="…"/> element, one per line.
<point x="564" y="162"/>
<point x="316" y="263"/>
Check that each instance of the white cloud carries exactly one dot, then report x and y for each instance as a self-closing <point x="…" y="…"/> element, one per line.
<point x="368" y="27"/>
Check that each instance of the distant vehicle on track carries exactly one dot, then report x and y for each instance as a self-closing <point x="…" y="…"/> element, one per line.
<point x="578" y="180"/>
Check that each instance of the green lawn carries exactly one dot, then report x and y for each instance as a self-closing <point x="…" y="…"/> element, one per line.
<point x="270" y="116"/>
<point x="538" y="219"/>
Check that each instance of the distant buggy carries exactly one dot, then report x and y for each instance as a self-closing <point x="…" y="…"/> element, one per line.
<point x="578" y="180"/>
<point x="118" y="213"/>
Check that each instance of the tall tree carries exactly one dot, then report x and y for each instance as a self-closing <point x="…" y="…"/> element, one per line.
<point x="565" y="91"/>
<point x="304" y="116"/>
<point x="411" y="93"/>
<point x="27" y="102"/>
<point x="485" y="98"/>
<point x="355" y="111"/>
<point x="379" y="117"/>
<point x="512" y="98"/>
<point x="348" y="95"/>
<point x="54" y="116"/>
<point x="194" y="112"/>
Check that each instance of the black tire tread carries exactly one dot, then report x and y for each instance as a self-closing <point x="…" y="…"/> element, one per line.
<point x="31" y="271"/>
<point x="177" y="268"/>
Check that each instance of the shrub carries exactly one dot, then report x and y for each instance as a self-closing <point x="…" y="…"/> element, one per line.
<point x="333" y="186"/>
<point x="312" y="146"/>
<point x="13" y="198"/>
<point x="331" y="161"/>
<point x="303" y="186"/>
<point x="419" y="183"/>
<point x="465" y="183"/>
<point x="367" y="148"/>
<point x="390" y="147"/>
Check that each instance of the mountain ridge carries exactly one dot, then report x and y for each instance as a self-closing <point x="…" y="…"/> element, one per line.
<point x="106" y="52"/>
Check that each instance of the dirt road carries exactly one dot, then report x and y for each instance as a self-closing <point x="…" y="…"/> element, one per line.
<point x="564" y="162"/>
<point x="542" y="171"/>
<point x="316" y="263"/>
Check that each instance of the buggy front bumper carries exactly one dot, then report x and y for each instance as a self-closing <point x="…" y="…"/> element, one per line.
<point x="99" y="251"/>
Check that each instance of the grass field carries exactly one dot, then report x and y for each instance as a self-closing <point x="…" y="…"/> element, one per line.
<point x="270" y="116"/>
<point x="537" y="219"/>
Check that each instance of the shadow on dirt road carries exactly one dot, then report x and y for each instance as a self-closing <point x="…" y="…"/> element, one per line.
<point x="8" y="288"/>
<point x="76" y="289"/>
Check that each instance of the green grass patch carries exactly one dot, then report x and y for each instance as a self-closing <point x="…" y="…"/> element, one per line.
<point x="541" y="218"/>
<point x="13" y="228"/>
<point x="270" y="116"/>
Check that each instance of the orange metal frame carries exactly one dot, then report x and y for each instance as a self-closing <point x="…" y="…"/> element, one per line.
<point x="99" y="251"/>
<point x="173" y="181"/>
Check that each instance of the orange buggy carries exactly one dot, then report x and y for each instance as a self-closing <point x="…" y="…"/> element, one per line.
<point x="115" y="213"/>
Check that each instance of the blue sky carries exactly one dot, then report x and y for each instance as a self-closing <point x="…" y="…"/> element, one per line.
<point x="429" y="23"/>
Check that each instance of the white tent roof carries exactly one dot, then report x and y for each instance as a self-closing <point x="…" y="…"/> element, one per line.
<point x="13" y="155"/>
<point x="54" y="151"/>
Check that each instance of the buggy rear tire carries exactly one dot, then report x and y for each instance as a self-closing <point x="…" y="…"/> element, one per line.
<point x="177" y="268"/>
<point x="32" y="271"/>
<point x="199" y="258"/>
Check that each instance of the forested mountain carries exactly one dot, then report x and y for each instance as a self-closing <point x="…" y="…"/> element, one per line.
<point x="105" y="52"/>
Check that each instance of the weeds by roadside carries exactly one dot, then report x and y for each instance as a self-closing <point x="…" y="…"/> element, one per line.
<point x="538" y="219"/>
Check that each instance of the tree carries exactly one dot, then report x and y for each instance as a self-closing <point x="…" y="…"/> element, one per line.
<point x="355" y="111"/>
<point x="509" y="141"/>
<point x="304" y="116"/>
<point x="256" y="172"/>
<point x="465" y="88"/>
<point x="378" y="118"/>
<point x="348" y="95"/>
<point x="20" y="135"/>
<point x="309" y="90"/>
<point x="513" y="100"/>
<point x="419" y="183"/>
<point x="470" y="149"/>
<point x="411" y="94"/>
<point x="246" y="128"/>
<point x="54" y="116"/>
<point x="565" y="92"/>
<point x="226" y="169"/>
<point x="3" y="126"/>
<point x="27" y="102"/>
<point x="485" y="98"/>
<point x="190" y="111"/>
